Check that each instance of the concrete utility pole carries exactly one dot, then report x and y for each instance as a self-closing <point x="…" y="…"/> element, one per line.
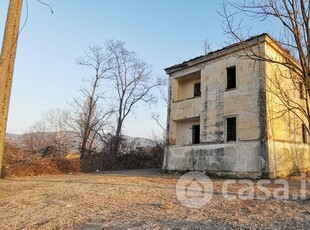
<point x="7" y="60"/>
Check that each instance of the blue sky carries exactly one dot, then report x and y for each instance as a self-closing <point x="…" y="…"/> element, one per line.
<point x="162" y="32"/>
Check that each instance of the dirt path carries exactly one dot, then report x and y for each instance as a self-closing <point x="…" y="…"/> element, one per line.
<point x="136" y="199"/>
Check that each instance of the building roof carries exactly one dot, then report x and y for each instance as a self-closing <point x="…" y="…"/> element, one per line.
<point x="202" y="57"/>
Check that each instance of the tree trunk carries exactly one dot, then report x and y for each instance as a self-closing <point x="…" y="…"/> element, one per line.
<point x="83" y="150"/>
<point x="116" y="142"/>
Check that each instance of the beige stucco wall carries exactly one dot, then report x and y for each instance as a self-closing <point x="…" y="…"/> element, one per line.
<point x="184" y="131"/>
<point x="219" y="103"/>
<point x="287" y="153"/>
<point x="184" y="86"/>
<point x="215" y="104"/>
<point x="184" y="108"/>
<point x="286" y="158"/>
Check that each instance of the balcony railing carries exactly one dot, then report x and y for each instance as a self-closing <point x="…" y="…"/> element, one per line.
<point x="185" y="109"/>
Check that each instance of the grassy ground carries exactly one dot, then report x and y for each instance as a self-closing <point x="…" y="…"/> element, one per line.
<point x="137" y="199"/>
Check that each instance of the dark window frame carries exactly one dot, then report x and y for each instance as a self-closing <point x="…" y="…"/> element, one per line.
<point x="197" y="89"/>
<point x="231" y="78"/>
<point x="195" y="134"/>
<point x="231" y="129"/>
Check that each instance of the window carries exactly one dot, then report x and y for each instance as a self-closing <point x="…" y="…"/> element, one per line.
<point x="195" y="134"/>
<point x="301" y="90"/>
<point x="231" y="129"/>
<point x="197" y="89"/>
<point x="231" y="77"/>
<point x="304" y="134"/>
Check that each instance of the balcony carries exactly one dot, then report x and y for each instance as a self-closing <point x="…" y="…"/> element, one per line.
<point x="186" y="109"/>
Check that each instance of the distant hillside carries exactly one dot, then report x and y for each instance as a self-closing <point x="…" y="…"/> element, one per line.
<point x="139" y="141"/>
<point x="15" y="139"/>
<point x="134" y="142"/>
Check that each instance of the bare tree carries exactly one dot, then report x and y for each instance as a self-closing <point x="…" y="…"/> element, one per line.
<point x="293" y="66"/>
<point x="89" y="118"/>
<point x="38" y="138"/>
<point x="57" y="122"/>
<point x="160" y="139"/>
<point x="206" y="46"/>
<point x="133" y="83"/>
<point x="52" y="132"/>
<point x="155" y="117"/>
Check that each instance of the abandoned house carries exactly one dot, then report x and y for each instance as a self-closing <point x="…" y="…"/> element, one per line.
<point x="223" y="115"/>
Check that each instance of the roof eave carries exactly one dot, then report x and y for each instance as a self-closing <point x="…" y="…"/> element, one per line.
<point x="211" y="55"/>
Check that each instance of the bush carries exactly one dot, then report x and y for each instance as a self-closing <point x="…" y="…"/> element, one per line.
<point x="136" y="159"/>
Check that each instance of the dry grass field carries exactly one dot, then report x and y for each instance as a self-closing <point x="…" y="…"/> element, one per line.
<point x="137" y="199"/>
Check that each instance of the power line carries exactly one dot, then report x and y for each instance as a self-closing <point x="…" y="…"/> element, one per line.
<point x="43" y="3"/>
<point x="20" y="31"/>
<point x="24" y="24"/>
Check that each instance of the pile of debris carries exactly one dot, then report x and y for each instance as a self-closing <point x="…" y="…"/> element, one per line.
<point x="18" y="163"/>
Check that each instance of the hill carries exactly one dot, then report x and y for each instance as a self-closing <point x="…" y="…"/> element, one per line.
<point x="133" y="142"/>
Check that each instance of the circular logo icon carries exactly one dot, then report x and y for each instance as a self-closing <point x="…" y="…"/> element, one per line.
<point x="194" y="189"/>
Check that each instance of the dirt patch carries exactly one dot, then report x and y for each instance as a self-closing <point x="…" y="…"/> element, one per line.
<point x="19" y="163"/>
<point x="137" y="200"/>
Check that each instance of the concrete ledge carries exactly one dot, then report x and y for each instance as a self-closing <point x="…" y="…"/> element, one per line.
<point x="228" y="175"/>
<point x="238" y="159"/>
